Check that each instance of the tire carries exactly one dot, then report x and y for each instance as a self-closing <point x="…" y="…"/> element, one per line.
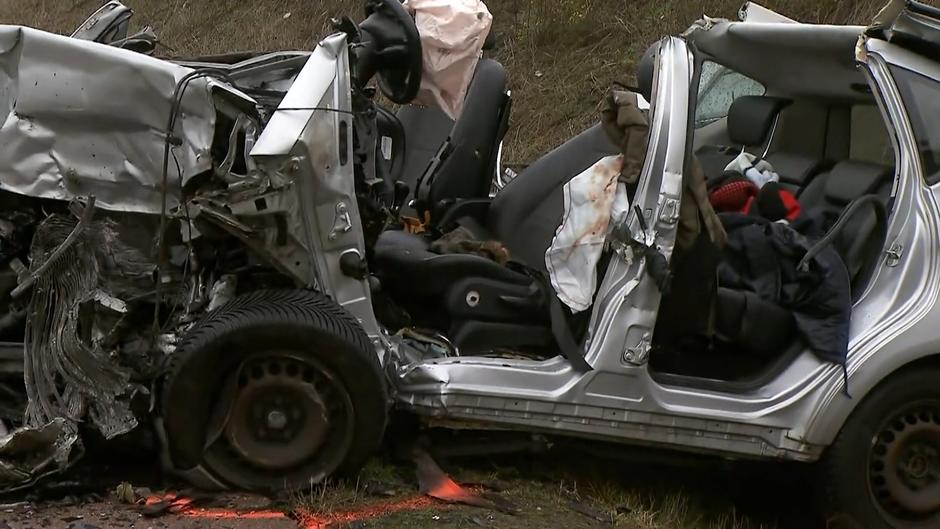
<point x="887" y="450"/>
<point x="275" y="390"/>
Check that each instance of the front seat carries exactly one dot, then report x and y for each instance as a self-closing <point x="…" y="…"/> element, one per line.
<point x="465" y="162"/>
<point x="481" y="304"/>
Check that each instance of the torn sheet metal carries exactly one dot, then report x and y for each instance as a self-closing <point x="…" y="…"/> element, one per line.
<point x="753" y="12"/>
<point x="79" y="118"/>
<point x="452" y="36"/>
<point x="83" y="274"/>
<point x="911" y="25"/>
<point x="595" y="200"/>
<point x="27" y="454"/>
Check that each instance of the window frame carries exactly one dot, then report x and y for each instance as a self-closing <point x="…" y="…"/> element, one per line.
<point x="903" y="77"/>
<point x="703" y="92"/>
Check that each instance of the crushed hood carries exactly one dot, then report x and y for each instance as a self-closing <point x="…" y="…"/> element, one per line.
<point x="79" y="118"/>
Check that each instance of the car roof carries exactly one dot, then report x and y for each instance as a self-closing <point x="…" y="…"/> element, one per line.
<point x="790" y="59"/>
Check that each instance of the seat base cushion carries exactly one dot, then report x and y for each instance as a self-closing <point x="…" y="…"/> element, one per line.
<point x="482" y="305"/>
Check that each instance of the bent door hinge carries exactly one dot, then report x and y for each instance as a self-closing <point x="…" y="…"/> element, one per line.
<point x="894" y="254"/>
<point x="639" y="353"/>
<point x="342" y="222"/>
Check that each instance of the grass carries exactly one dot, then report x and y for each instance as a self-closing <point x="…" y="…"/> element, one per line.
<point x="561" y="55"/>
<point x="576" y="492"/>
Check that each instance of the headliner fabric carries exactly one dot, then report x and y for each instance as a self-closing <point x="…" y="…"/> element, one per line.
<point x="785" y="56"/>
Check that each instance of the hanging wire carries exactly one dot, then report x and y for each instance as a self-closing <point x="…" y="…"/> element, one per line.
<point x="168" y="142"/>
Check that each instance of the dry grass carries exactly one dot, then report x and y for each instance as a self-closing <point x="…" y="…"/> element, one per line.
<point x="562" y="55"/>
<point x="626" y="497"/>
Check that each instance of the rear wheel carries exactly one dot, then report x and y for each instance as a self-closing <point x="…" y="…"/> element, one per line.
<point x="277" y="389"/>
<point x="883" y="471"/>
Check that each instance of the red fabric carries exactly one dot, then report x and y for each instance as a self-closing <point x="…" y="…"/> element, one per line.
<point x="733" y="196"/>
<point x="790" y="203"/>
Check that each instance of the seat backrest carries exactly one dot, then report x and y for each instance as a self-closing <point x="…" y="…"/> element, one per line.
<point x="425" y="128"/>
<point x="847" y="180"/>
<point x="830" y="193"/>
<point x="466" y="160"/>
<point x="796" y="170"/>
<point x="526" y="213"/>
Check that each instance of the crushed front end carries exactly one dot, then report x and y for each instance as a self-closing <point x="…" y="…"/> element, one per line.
<point x="139" y="194"/>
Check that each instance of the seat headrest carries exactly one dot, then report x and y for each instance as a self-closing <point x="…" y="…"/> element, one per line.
<point x="750" y="118"/>
<point x="849" y="180"/>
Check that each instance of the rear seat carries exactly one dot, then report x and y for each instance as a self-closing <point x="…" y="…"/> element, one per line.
<point x="831" y="192"/>
<point x="760" y="327"/>
<point x="796" y="171"/>
<point x="751" y="121"/>
<point x="847" y="180"/>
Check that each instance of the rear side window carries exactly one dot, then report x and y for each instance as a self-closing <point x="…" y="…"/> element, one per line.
<point x="718" y="88"/>
<point x="922" y="99"/>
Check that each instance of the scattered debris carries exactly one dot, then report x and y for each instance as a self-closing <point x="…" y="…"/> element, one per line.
<point x="581" y="508"/>
<point x="434" y="482"/>
<point x="32" y="452"/>
<point x="376" y="488"/>
<point x="78" y="524"/>
<point x="124" y="493"/>
<point x="14" y="505"/>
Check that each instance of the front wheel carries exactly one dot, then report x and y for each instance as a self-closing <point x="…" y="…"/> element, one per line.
<point x="275" y="390"/>
<point x="883" y="471"/>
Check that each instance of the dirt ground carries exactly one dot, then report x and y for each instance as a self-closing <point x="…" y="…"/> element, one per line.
<point x="525" y="492"/>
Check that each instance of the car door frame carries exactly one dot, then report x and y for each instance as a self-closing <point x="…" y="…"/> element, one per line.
<point x="895" y="321"/>
<point x="610" y="401"/>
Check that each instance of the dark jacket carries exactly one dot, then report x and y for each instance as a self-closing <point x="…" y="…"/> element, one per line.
<point x="763" y="257"/>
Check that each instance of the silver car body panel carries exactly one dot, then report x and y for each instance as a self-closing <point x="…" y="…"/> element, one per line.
<point x="68" y="131"/>
<point x="301" y="147"/>
<point x="756" y="13"/>
<point x="895" y="323"/>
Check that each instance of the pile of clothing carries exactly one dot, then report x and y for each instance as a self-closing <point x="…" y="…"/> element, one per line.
<point x="750" y="185"/>
<point x="769" y="236"/>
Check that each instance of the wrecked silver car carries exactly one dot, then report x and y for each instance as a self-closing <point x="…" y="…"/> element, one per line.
<point x="245" y="250"/>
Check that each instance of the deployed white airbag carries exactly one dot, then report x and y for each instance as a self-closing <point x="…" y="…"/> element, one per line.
<point x="595" y="200"/>
<point x="452" y="35"/>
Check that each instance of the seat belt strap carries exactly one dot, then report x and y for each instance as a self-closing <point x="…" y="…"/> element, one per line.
<point x="567" y="345"/>
<point x="563" y="337"/>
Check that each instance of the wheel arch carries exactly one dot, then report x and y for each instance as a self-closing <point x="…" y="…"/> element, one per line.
<point x="830" y="421"/>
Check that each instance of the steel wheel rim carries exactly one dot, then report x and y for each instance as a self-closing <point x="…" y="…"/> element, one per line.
<point x="903" y="461"/>
<point x="288" y="418"/>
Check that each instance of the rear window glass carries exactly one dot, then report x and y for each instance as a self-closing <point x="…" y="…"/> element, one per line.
<point x="718" y="87"/>
<point x="922" y="99"/>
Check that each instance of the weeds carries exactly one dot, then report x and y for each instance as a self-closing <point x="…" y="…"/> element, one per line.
<point x="327" y="498"/>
